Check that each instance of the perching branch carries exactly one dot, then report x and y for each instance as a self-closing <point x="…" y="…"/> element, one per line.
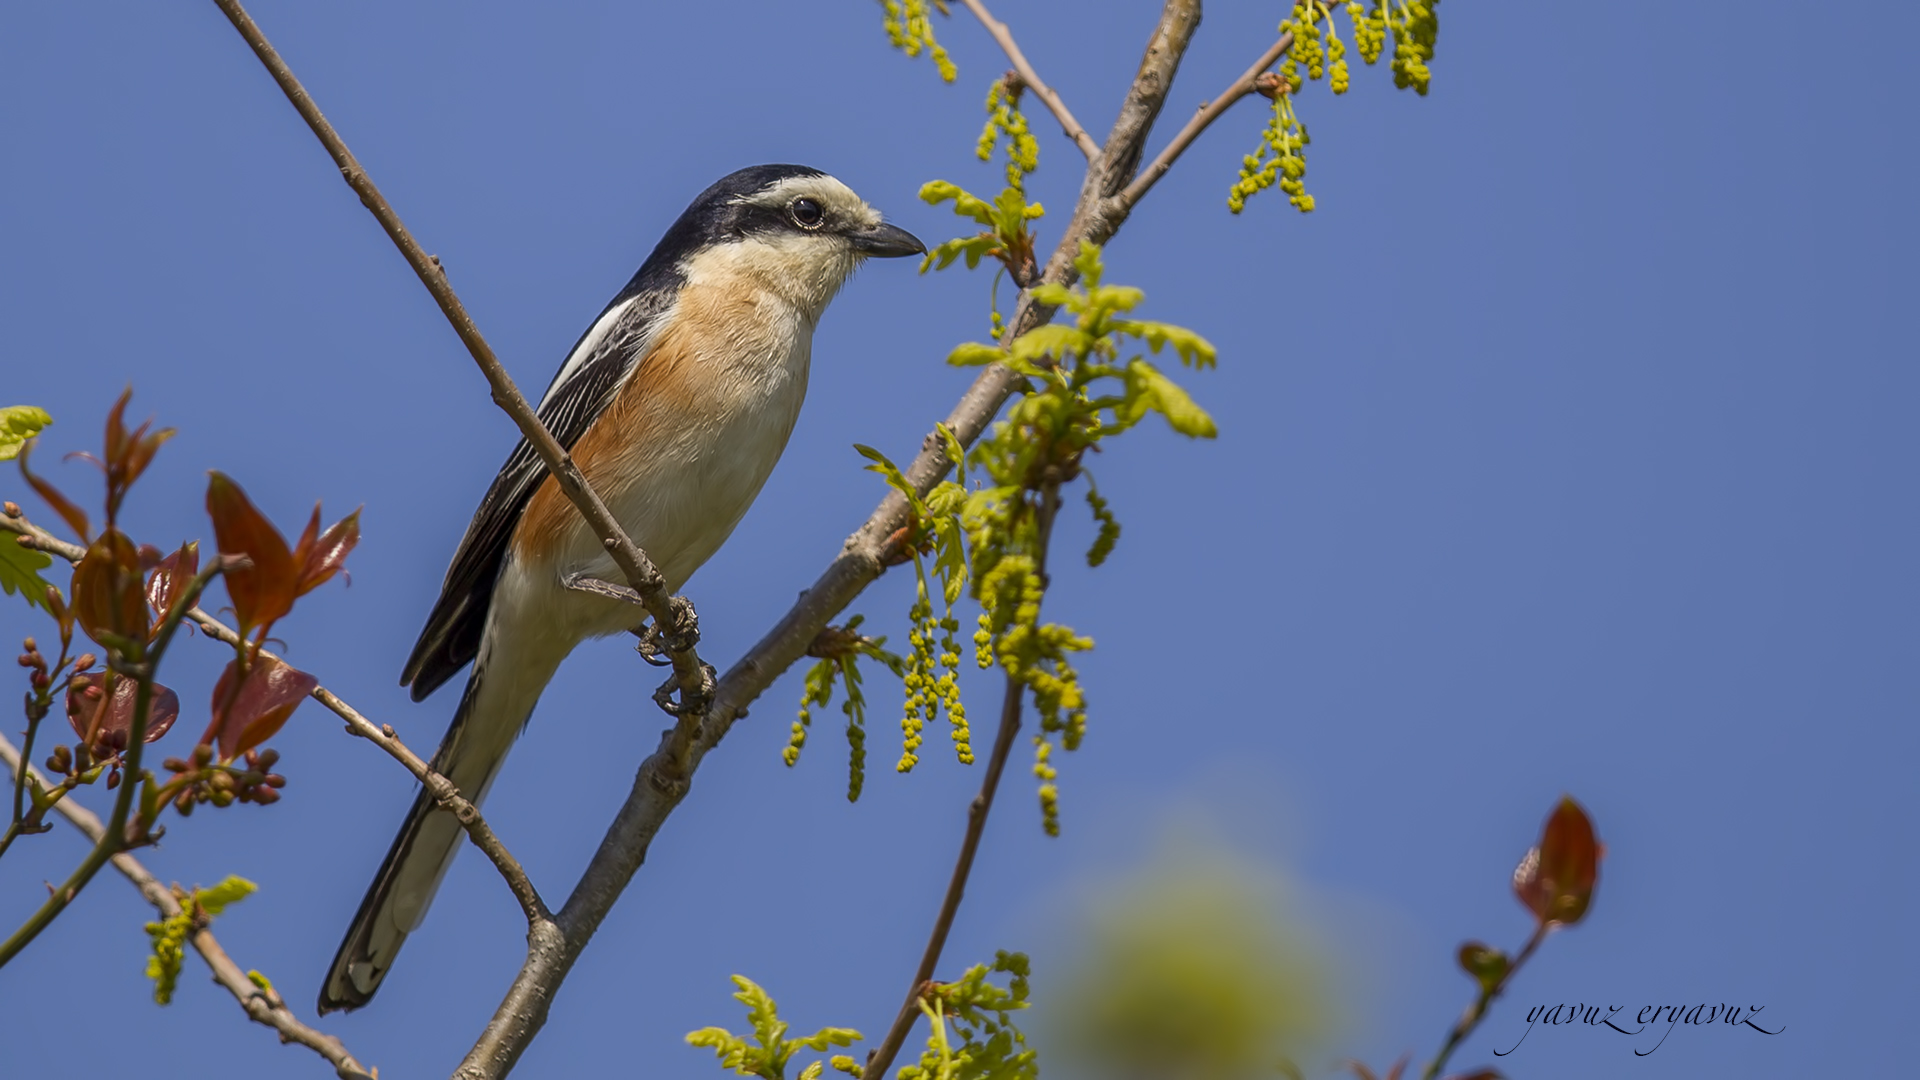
<point x="662" y="780"/>
<point x="634" y="563"/>
<point x="262" y="1005"/>
<point x="1047" y="94"/>
<point x="442" y="789"/>
<point x="1207" y="114"/>
<point x="656" y="791"/>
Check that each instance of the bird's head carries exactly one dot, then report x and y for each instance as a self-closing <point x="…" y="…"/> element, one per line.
<point x="796" y="231"/>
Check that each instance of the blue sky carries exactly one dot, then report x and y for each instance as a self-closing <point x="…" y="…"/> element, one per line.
<point x="1566" y="448"/>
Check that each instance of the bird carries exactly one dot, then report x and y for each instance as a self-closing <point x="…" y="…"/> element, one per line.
<point x="675" y="404"/>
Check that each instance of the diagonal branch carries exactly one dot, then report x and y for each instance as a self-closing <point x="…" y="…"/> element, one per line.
<point x="1047" y="94"/>
<point x="657" y="789"/>
<point x="634" y="563"/>
<point x="1207" y="114"/>
<point x="262" y="1005"/>
<point x="662" y="780"/>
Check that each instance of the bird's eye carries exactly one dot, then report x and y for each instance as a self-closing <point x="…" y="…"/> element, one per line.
<point x="806" y="213"/>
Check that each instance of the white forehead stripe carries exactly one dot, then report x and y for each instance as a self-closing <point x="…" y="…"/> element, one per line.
<point x="836" y="197"/>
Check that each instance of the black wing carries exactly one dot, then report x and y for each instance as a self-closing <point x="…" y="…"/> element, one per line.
<point x="578" y="393"/>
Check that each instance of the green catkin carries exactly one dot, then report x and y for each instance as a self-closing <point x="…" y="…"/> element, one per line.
<point x="910" y="30"/>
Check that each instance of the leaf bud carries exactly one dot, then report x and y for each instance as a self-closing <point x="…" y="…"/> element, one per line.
<point x="265" y="796"/>
<point x="86" y="661"/>
<point x="202" y="754"/>
<point x="222" y="799"/>
<point x="275" y="780"/>
<point x="267" y="759"/>
<point x="12" y="508"/>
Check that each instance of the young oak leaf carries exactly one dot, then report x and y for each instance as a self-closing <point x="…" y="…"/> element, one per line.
<point x="265" y="590"/>
<point x="18" y="423"/>
<point x="108" y="601"/>
<point x="170" y="578"/>
<point x="268" y="694"/>
<point x="104" y="717"/>
<point x="75" y="517"/>
<point x="320" y="555"/>
<point x="20" y="572"/>
<point x="1556" y="878"/>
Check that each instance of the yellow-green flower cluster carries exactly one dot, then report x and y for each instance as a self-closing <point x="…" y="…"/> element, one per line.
<point x="840" y="649"/>
<point x="1073" y="367"/>
<point x="1006" y="122"/>
<point x="910" y="30"/>
<point x="1416" y="26"/>
<point x="1309" y="42"/>
<point x="1280" y="159"/>
<point x="1369" y="28"/>
<point x="169" y="935"/>
<point x="1341" y="77"/>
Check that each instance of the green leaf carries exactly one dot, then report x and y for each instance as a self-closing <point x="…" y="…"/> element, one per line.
<point x="1194" y="350"/>
<point x="1150" y="391"/>
<point x="1053" y="295"/>
<point x="20" y="572"/>
<point x="965" y="204"/>
<point x="975" y="354"/>
<point x="973" y="248"/>
<point x="18" y="423"/>
<point x="1054" y="340"/>
<point x="231" y="891"/>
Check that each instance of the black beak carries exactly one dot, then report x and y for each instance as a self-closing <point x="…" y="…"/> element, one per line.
<point x="886" y="242"/>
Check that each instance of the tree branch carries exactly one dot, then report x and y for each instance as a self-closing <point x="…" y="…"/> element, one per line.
<point x="634" y="563"/>
<point x="657" y="790"/>
<point x="1207" y="114"/>
<point x="263" y="1006"/>
<point x="662" y="780"/>
<point x="382" y="736"/>
<point x="442" y="789"/>
<point x="1047" y="94"/>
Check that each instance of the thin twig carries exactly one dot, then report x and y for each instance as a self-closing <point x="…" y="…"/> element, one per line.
<point x="1477" y="1011"/>
<point x="910" y="1010"/>
<point x="261" y="1005"/>
<point x="1049" y="96"/>
<point x="443" y="791"/>
<point x="634" y="563"/>
<point x="438" y="786"/>
<point x="1207" y="114"/>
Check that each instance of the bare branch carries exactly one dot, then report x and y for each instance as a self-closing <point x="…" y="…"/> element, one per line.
<point x="1207" y="114"/>
<point x="634" y="563"/>
<point x="443" y="791"/>
<point x="263" y="1006"/>
<point x="1041" y="90"/>
<point x="441" y="788"/>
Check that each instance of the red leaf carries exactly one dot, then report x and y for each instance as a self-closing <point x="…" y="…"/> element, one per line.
<point x="75" y="517"/>
<point x="268" y="694"/>
<point x="1555" y="880"/>
<point x="319" y="559"/>
<point x="107" y="599"/>
<point x="169" y="580"/>
<point x="264" y="591"/>
<point x="111" y="721"/>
